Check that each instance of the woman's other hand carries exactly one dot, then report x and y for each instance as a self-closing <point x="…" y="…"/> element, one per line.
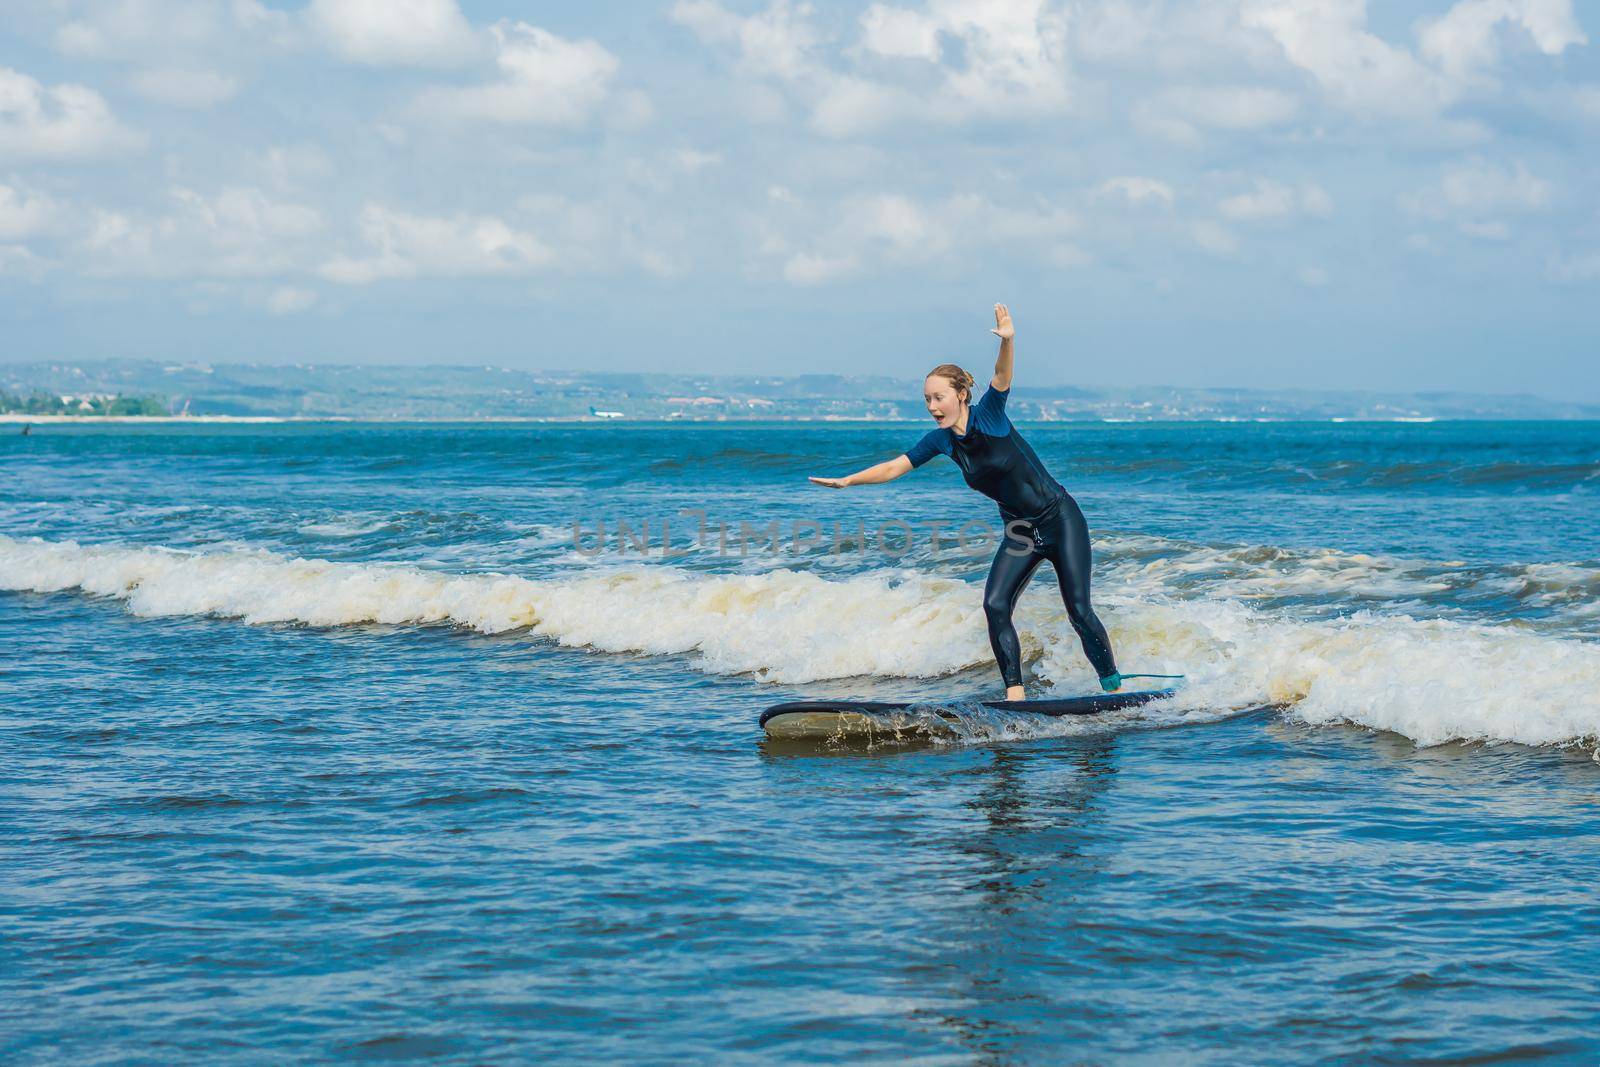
<point x="832" y="483"/>
<point x="1002" y="323"/>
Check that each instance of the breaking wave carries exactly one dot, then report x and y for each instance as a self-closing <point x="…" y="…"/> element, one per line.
<point x="1433" y="680"/>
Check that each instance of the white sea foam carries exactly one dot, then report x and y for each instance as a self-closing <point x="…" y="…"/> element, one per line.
<point x="1564" y="594"/>
<point x="341" y="528"/>
<point x="1261" y="572"/>
<point x="1431" y="680"/>
<point x="786" y="626"/>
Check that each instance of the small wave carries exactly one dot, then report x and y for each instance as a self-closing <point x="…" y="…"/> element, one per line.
<point x="1248" y="572"/>
<point x="185" y="803"/>
<point x="736" y="458"/>
<point x="337" y="530"/>
<point x="477" y="796"/>
<point x="1431" y="680"/>
<point x="1291" y="473"/>
<point x="1321" y="581"/>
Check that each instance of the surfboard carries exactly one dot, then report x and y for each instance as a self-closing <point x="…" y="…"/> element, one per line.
<point x="824" y="720"/>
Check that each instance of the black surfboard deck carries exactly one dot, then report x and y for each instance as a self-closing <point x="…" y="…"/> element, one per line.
<point x="820" y="720"/>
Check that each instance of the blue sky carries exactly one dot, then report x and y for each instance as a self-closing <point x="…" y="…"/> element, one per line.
<point x="1284" y="193"/>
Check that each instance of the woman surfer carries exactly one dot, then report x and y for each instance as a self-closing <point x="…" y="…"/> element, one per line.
<point x="1042" y="520"/>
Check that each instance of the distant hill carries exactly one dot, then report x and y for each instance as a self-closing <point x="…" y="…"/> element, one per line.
<point x="454" y="392"/>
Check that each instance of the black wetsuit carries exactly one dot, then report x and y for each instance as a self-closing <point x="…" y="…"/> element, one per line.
<point x="1042" y="520"/>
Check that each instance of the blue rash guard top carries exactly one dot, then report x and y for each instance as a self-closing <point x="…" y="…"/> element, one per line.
<point x="995" y="460"/>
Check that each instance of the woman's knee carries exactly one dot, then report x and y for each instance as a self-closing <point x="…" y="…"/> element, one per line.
<point x="1079" y="610"/>
<point x="997" y="604"/>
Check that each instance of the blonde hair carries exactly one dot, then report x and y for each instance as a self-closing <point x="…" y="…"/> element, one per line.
<point x="959" y="378"/>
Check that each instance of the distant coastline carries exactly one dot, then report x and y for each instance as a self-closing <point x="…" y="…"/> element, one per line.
<point x="100" y="420"/>
<point x="145" y="392"/>
<point x="767" y="420"/>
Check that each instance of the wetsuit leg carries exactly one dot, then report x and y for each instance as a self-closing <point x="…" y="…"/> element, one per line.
<point x="1008" y="576"/>
<point x="1067" y="543"/>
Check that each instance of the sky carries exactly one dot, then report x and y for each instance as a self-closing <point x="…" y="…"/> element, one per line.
<point x="1318" y="194"/>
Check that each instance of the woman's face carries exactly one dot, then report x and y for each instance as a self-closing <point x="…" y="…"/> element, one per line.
<point x="943" y="400"/>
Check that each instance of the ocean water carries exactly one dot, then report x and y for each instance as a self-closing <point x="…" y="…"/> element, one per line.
<point x="358" y="741"/>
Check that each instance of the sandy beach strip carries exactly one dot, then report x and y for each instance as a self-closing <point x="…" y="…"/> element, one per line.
<point x="97" y="420"/>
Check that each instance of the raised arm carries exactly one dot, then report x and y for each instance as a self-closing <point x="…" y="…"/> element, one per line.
<point x="887" y="471"/>
<point x="1005" y="331"/>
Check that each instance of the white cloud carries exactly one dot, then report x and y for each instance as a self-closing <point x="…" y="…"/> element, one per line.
<point x="1116" y="30"/>
<point x="290" y="166"/>
<point x="1180" y="114"/>
<point x="1138" y="190"/>
<point x="113" y="232"/>
<point x="422" y="33"/>
<point x="896" y="232"/>
<point x="1584" y="267"/>
<point x="239" y="232"/>
<point x="1329" y="40"/>
<point x="1314" y="200"/>
<point x="611" y="232"/>
<point x="81" y="39"/>
<point x="1477" y="196"/>
<point x="1466" y="39"/>
<point x="898" y="33"/>
<point x="23" y="214"/>
<point x="1296" y="89"/>
<point x="545" y="79"/>
<point x="183" y="34"/>
<point x="401" y="245"/>
<point x="254" y="15"/>
<point x="142" y="29"/>
<point x="807" y="268"/>
<point x="901" y="225"/>
<point x="1214" y="238"/>
<point x="1313" y="277"/>
<point x="1268" y="200"/>
<point x="1014" y="55"/>
<point x="1274" y="200"/>
<point x="20" y="261"/>
<point x="853" y="106"/>
<point x="185" y="88"/>
<point x="1480" y="187"/>
<point x="1231" y="107"/>
<point x="960" y="61"/>
<point x="775" y="43"/>
<point x="1006" y="60"/>
<point x="245" y="210"/>
<point x="291" y="301"/>
<point x="693" y="161"/>
<point x="59" y="122"/>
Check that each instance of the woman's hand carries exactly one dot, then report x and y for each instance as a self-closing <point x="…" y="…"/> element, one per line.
<point x="1003" y="363"/>
<point x="876" y="474"/>
<point x="1002" y="323"/>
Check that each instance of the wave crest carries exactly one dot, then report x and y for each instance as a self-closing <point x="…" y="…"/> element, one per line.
<point x="1431" y="680"/>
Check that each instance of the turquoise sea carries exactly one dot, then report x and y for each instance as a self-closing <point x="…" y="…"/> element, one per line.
<point x="358" y="741"/>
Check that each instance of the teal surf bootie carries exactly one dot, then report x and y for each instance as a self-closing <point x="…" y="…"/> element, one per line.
<point x="1113" y="682"/>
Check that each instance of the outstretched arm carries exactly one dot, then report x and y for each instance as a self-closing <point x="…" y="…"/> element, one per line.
<point x="886" y="471"/>
<point x="1005" y="331"/>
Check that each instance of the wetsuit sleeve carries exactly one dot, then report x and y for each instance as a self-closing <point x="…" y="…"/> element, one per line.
<point x="989" y="413"/>
<point x="933" y="443"/>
